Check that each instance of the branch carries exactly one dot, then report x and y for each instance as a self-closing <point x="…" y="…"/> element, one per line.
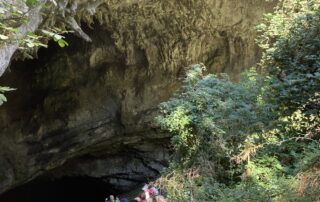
<point x="7" y="50"/>
<point x="77" y="29"/>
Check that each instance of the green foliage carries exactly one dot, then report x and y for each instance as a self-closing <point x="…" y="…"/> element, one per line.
<point x="283" y="189"/>
<point x="13" y="15"/>
<point x="290" y="39"/>
<point x="291" y="42"/>
<point x="56" y="35"/>
<point x="257" y="140"/>
<point x="31" y="3"/>
<point x="211" y="120"/>
<point x="212" y="116"/>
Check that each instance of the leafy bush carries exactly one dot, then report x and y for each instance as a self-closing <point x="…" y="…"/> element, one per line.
<point x="212" y="116"/>
<point x="211" y="119"/>
<point x="291" y="42"/>
<point x="257" y="140"/>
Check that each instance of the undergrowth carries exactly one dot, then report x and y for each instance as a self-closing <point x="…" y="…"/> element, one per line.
<point x="258" y="139"/>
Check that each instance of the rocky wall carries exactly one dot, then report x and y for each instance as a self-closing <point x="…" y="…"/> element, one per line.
<point x="88" y="109"/>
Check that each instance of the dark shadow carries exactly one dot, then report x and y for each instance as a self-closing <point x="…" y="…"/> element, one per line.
<point x="66" y="189"/>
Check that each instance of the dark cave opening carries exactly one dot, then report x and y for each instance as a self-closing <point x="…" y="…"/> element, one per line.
<point x="65" y="189"/>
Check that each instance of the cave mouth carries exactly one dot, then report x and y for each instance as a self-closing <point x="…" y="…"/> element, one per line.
<point x="65" y="189"/>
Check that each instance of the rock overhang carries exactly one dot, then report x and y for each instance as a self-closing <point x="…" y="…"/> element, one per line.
<point x="91" y="103"/>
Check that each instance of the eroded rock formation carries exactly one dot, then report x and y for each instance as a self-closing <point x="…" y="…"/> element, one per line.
<point x="87" y="109"/>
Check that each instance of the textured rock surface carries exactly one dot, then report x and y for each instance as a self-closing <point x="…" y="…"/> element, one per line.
<point x="87" y="110"/>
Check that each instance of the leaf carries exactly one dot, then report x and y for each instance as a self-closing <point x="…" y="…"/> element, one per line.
<point x="5" y="88"/>
<point x="10" y="29"/>
<point x="31" y="3"/>
<point x="48" y="33"/>
<point x="57" y="37"/>
<point x="3" y="98"/>
<point x="43" y="45"/>
<point x="33" y="36"/>
<point x="3" y="37"/>
<point x="30" y="45"/>
<point x="62" y="43"/>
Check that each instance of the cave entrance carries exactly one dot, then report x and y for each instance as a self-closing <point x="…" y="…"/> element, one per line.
<point x="65" y="189"/>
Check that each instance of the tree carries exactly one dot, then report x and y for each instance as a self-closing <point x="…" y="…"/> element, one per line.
<point x="291" y="42"/>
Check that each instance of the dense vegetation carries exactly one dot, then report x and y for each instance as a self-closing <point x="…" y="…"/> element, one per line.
<point x="258" y="139"/>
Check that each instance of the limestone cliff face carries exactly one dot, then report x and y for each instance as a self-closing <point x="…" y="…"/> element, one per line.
<point x="88" y="109"/>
